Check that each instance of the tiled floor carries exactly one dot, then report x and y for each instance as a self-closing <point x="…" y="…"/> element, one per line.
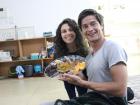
<point x="30" y="91"/>
<point x="37" y="90"/>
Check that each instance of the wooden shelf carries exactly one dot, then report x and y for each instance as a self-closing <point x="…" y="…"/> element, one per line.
<point x="23" y="48"/>
<point x="28" y="60"/>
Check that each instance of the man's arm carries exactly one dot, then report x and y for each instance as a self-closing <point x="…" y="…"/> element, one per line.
<point x="118" y="85"/>
<point x="116" y="88"/>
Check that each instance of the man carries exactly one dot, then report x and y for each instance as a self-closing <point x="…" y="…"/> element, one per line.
<point x="106" y="65"/>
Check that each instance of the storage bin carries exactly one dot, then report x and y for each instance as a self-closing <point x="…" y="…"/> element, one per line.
<point x="37" y="68"/>
<point x="28" y="70"/>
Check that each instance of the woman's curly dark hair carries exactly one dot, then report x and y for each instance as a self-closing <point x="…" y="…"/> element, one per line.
<point x="60" y="45"/>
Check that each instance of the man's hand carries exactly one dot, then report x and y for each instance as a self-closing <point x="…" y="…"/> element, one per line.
<point x="71" y="78"/>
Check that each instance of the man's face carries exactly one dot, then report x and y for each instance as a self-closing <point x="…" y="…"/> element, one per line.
<point x="91" y="28"/>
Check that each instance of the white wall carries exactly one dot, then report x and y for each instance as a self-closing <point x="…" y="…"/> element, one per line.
<point x="44" y="15"/>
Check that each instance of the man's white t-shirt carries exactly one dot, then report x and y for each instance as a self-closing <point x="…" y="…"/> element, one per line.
<point x="98" y="64"/>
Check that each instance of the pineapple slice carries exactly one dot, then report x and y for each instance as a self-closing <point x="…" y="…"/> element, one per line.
<point x="82" y="65"/>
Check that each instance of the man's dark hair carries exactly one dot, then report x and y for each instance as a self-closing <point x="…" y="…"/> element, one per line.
<point x="88" y="12"/>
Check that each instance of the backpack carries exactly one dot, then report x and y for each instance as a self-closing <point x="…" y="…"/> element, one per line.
<point x="90" y="98"/>
<point x="130" y="94"/>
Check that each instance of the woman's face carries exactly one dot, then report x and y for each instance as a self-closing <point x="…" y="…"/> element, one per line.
<point x="67" y="34"/>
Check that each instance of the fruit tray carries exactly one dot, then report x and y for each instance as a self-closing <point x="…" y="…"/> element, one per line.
<point x="71" y="63"/>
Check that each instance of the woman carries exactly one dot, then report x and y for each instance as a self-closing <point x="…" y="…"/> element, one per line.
<point x="69" y="41"/>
